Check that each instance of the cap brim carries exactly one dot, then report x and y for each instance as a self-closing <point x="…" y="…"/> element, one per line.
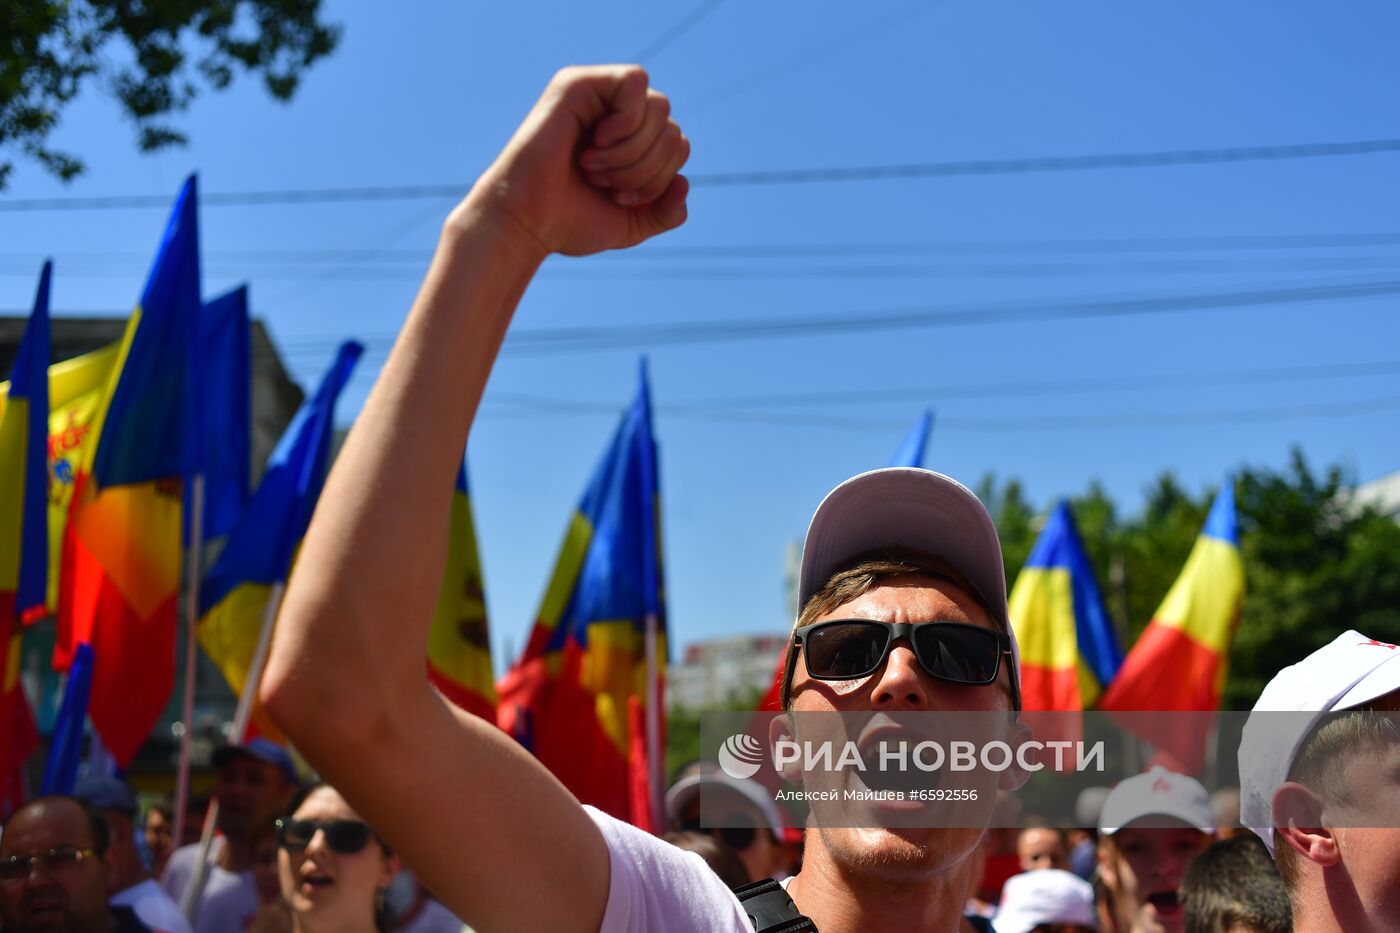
<point x="911" y="508"/>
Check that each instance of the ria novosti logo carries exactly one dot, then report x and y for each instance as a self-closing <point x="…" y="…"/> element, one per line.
<point x="741" y="756"/>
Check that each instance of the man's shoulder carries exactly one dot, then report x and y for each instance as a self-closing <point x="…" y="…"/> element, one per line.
<point x="655" y="886"/>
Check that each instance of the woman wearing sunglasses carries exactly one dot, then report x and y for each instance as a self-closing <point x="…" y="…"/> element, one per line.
<point x="333" y="868"/>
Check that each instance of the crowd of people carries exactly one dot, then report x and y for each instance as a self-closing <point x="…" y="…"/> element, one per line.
<point x="904" y="565"/>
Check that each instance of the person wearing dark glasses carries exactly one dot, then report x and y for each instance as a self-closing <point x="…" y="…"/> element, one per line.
<point x="595" y="166"/>
<point x="54" y="865"/>
<point x="333" y="868"/>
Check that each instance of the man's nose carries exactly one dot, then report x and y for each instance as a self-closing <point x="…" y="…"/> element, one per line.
<point x="901" y="684"/>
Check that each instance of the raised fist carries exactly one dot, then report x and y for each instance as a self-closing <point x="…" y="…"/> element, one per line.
<point x="594" y="166"/>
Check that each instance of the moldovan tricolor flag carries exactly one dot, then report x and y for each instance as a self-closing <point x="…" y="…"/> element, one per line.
<point x="260" y="549"/>
<point x="1179" y="662"/>
<point x="120" y="581"/>
<point x="459" y="645"/>
<point x="566" y="700"/>
<point x="1069" y="650"/>
<point x="24" y="417"/>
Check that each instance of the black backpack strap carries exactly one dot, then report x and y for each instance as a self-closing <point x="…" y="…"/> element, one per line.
<point x="770" y="910"/>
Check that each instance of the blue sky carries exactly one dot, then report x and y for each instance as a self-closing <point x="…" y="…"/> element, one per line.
<point x="428" y="98"/>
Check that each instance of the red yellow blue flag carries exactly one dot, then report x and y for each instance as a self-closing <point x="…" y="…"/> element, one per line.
<point x="122" y="551"/>
<point x="1179" y="661"/>
<point x="567" y="698"/>
<point x="24" y="549"/>
<point x="1069" y="650"/>
<point x="260" y="549"/>
<point x="459" y="645"/>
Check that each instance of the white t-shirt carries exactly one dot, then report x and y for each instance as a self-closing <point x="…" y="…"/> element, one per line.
<point x="658" y="888"/>
<point x="153" y="907"/>
<point x="230" y="899"/>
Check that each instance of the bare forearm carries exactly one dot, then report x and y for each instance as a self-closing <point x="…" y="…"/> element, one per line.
<point x="377" y="542"/>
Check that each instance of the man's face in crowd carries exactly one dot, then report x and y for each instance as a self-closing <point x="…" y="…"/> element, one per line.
<point x="247" y="787"/>
<point x="67" y="897"/>
<point x="901" y="685"/>
<point x="1041" y="848"/>
<point x="1143" y="867"/>
<point x="159" y="838"/>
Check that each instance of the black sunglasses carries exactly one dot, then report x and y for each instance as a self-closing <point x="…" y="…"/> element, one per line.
<point x="344" y="836"/>
<point x="849" y="649"/>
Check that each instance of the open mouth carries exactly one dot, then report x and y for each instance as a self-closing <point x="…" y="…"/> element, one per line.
<point x="316" y="881"/>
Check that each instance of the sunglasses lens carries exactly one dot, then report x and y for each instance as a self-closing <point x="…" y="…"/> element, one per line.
<point x="737" y="838"/>
<point x="295" y="835"/>
<point x="845" y="649"/>
<point x="346" y="836"/>
<point x="957" y="653"/>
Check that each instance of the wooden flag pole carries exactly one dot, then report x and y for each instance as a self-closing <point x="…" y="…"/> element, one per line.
<point x="194" y="559"/>
<point x="653" y="726"/>
<point x="190" y="904"/>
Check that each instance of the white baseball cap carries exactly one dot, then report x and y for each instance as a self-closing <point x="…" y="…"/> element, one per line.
<point x="1048" y="895"/>
<point x="687" y="789"/>
<point x="912" y="508"/>
<point x="1350" y="671"/>
<point x="1159" y="793"/>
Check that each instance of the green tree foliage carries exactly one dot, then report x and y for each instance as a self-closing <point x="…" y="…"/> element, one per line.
<point x="1315" y="563"/>
<point x="165" y="50"/>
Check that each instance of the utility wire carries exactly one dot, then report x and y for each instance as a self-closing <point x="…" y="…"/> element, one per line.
<point x="773" y="251"/>
<point x="627" y="336"/>
<point x="753" y="178"/>
<point x="680" y="28"/>
<point x="1036" y="388"/>
<point x="1117" y="420"/>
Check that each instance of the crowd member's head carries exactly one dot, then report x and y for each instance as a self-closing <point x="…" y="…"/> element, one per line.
<point x="333" y="868"/>
<point x="915" y="548"/>
<point x="115" y="800"/>
<point x="250" y="780"/>
<point x="721" y="859"/>
<point x="1046" y="901"/>
<point x="158" y="827"/>
<point x="1151" y="826"/>
<point x="196" y="808"/>
<point x="1042" y="847"/>
<point x="1323" y="792"/>
<point x="748" y="820"/>
<point x="54" y="867"/>
<point x="1233" y="887"/>
<point x="1225" y="804"/>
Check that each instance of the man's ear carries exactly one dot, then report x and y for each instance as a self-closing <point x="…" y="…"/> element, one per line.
<point x="1298" y="814"/>
<point x="1014" y="777"/>
<point x="780" y="729"/>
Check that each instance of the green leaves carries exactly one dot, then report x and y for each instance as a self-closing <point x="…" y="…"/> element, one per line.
<point x="169" y="50"/>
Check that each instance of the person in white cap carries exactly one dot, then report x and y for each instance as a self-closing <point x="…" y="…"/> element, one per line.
<point x="1047" y="900"/>
<point x="1320" y="783"/>
<point x="595" y="166"/>
<point x="753" y="833"/>
<point x="1151" y="826"/>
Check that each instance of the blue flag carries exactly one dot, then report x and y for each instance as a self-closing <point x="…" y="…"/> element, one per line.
<point x="911" y="451"/>
<point x="66" y="750"/>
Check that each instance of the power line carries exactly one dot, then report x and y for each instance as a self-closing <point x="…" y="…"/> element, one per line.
<point x="910" y="170"/>
<point x="630" y="336"/>
<point x="678" y="29"/>
<point x="772" y="251"/>
<point x="367" y="271"/>
<point x="1115" y="420"/>
<point x="1043" y="387"/>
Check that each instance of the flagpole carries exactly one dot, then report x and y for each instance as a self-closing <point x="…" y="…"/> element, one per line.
<point x="194" y="559"/>
<point x="653" y="726"/>
<point x="190" y="904"/>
